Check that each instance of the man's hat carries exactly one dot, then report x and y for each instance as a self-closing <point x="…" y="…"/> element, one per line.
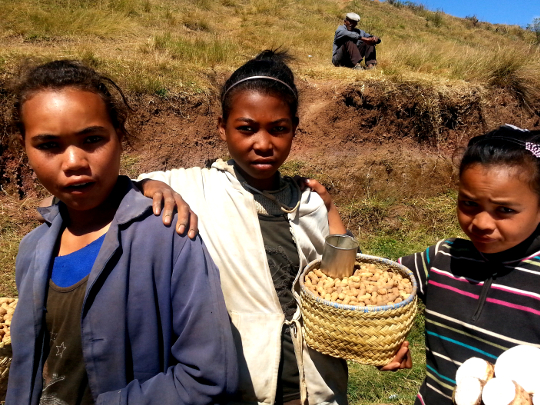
<point x="352" y="17"/>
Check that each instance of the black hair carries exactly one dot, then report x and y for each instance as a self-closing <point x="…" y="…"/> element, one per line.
<point x="506" y="146"/>
<point x="60" y="74"/>
<point x="270" y="63"/>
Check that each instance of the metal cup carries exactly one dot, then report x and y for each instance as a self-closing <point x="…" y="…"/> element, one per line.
<point x="339" y="256"/>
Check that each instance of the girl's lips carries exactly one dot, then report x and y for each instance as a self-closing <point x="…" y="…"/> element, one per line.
<point x="482" y="239"/>
<point x="79" y="186"/>
<point x="263" y="165"/>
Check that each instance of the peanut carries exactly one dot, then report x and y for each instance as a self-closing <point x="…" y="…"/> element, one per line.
<point x="370" y="285"/>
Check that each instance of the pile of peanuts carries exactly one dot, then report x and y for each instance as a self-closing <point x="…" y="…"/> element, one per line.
<point x="7" y="308"/>
<point x="369" y="286"/>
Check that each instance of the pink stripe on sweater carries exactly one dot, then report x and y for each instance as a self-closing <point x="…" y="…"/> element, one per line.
<point x="494" y="286"/>
<point x="419" y="396"/>
<point x="457" y="290"/>
<point x="515" y="306"/>
<point x="491" y="300"/>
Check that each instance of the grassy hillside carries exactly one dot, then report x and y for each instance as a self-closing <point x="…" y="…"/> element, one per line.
<point x="168" y="47"/>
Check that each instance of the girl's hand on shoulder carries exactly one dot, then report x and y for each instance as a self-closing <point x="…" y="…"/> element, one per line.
<point x="163" y="195"/>
<point x="334" y="220"/>
<point x="304" y="182"/>
<point x="401" y="360"/>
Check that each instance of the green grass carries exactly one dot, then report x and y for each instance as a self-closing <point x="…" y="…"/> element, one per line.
<point x="396" y="228"/>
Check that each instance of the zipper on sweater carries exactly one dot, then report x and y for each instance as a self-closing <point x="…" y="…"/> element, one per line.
<point x="483" y="295"/>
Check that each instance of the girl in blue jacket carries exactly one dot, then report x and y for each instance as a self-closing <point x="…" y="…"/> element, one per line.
<point x="112" y="307"/>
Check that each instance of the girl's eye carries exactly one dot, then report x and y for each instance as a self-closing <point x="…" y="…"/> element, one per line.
<point x="506" y="210"/>
<point x="467" y="203"/>
<point x="93" y="139"/>
<point x="280" y="129"/>
<point x="245" y="128"/>
<point x="47" y="145"/>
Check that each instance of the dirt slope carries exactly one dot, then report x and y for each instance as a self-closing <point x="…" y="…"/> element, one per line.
<point x="338" y="122"/>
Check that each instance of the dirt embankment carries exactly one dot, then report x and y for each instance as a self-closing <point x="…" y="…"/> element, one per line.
<point x="378" y="122"/>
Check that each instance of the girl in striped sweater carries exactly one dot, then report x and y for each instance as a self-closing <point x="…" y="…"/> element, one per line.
<point x="482" y="295"/>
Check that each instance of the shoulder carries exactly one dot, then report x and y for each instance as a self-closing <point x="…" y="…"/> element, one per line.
<point x="147" y="231"/>
<point x="30" y="240"/>
<point x="457" y="247"/>
<point x="340" y="29"/>
<point x="446" y="247"/>
<point x="27" y="251"/>
<point x="311" y="203"/>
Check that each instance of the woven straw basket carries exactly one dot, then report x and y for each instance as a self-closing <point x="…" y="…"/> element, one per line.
<point x="367" y="335"/>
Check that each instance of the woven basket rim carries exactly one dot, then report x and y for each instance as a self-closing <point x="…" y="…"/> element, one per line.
<point x="359" y="257"/>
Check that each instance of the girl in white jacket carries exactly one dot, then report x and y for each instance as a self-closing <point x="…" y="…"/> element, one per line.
<point x="261" y="230"/>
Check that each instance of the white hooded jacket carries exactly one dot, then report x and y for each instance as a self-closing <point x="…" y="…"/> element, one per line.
<point x="229" y="226"/>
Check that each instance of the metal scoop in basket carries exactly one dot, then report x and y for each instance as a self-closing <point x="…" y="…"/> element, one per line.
<point x="339" y="256"/>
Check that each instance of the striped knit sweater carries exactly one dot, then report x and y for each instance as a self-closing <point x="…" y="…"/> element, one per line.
<point x="477" y="305"/>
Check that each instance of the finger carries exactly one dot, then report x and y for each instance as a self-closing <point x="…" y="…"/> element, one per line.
<point x="408" y="360"/>
<point x="392" y="366"/>
<point x="168" y="206"/>
<point x="301" y="181"/>
<point x="316" y="186"/>
<point x="183" y="214"/>
<point x="157" y="199"/>
<point x="399" y="359"/>
<point x="194" y="225"/>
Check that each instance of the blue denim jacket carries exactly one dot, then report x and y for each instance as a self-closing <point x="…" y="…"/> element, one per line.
<point x="154" y="325"/>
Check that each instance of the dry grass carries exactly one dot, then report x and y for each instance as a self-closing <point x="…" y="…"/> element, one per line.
<point x="167" y="47"/>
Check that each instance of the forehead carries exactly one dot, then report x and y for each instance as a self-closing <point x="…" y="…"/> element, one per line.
<point x="510" y="180"/>
<point x="259" y="102"/>
<point x="50" y="107"/>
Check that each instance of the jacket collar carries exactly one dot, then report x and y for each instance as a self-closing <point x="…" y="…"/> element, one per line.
<point x="309" y="201"/>
<point x="133" y="204"/>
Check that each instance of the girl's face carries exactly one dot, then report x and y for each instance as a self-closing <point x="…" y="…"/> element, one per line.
<point x="259" y="133"/>
<point x="72" y="146"/>
<point x="496" y="208"/>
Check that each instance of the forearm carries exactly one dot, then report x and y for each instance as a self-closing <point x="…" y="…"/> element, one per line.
<point x="174" y="386"/>
<point x="335" y="224"/>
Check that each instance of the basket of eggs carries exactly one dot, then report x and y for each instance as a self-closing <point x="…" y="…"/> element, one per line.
<point x="364" y="317"/>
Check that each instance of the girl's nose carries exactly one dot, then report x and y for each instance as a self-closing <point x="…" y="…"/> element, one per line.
<point x="483" y="221"/>
<point x="263" y="142"/>
<point x="74" y="159"/>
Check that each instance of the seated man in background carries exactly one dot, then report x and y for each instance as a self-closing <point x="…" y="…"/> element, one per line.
<point x="351" y="45"/>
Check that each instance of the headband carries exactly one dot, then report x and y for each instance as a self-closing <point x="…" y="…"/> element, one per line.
<point x="259" y="77"/>
<point x="534" y="148"/>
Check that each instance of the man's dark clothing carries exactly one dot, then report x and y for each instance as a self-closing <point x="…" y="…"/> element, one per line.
<point x="349" y="49"/>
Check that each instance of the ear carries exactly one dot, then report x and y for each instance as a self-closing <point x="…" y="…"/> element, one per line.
<point x="20" y="138"/>
<point x="221" y="128"/>
<point x="120" y="136"/>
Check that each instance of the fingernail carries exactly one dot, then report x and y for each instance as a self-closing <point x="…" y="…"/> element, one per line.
<point x="191" y="234"/>
<point x="181" y="229"/>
